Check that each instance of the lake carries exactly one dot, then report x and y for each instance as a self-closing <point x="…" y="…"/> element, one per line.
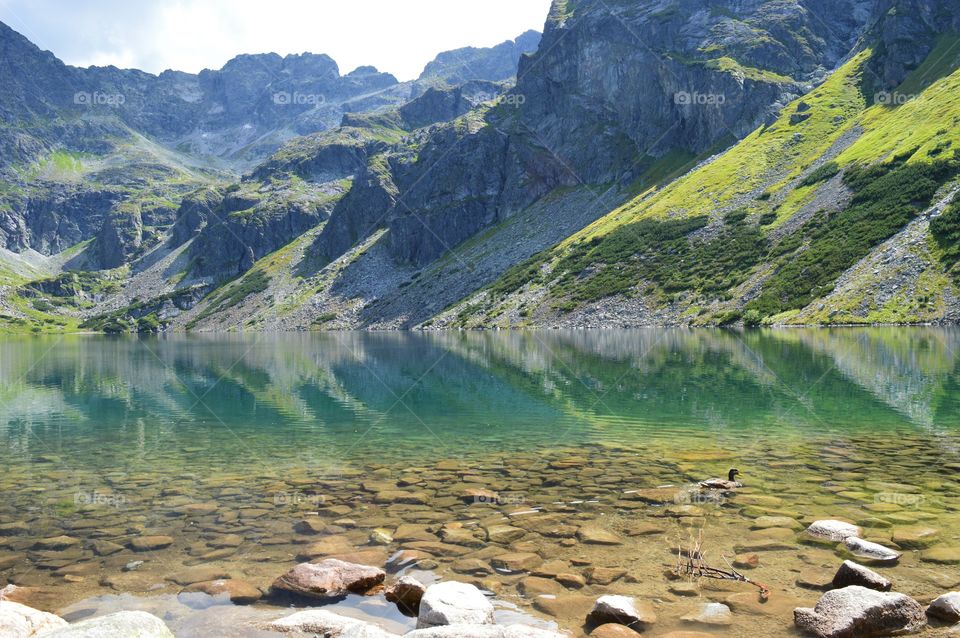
<point x="585" y="443"/>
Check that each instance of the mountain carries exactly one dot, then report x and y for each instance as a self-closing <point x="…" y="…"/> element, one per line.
<point x="671" y="162"/>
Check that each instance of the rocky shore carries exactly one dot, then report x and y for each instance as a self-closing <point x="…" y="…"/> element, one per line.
<point x="858" y="601"/>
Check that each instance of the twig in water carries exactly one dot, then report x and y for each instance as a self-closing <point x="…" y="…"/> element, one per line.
<point x="695" y="566"/>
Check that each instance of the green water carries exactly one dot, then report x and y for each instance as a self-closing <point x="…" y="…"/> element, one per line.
<point x="110" y="438"/>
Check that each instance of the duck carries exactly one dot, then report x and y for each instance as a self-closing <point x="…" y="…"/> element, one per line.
<point x="729" y="483"/>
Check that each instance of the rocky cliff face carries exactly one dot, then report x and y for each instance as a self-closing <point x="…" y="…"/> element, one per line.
<point x="906" y="32"/>
<point x="613" y="87"/>
<point x="241" y="113"/>
<point x="470" y="63"/>
<point x="617" y="81"/>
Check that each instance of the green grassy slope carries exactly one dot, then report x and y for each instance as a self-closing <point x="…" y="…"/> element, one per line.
<point x="768" y="227"/>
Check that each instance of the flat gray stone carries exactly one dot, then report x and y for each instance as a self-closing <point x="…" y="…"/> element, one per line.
<point x="453" y="603"/>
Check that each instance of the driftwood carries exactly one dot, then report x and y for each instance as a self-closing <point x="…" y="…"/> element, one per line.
<point x="694" y="565"/>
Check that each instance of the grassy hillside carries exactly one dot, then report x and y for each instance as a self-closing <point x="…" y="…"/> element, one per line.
<point x="767" y="228"/>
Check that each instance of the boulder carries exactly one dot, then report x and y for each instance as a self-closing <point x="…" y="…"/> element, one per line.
<point x="870" y="551"/>
<point x="406" y="593"/>
<point x="946" y="607"/>
<point x="622" y="610"/>
<point x="712" y="614"/>
<point x="851" y="573"/>
<point x="330" y="578"/>
<point x="613" y="630"/>
<point x="237" y="591"/>
<point x="856" y="611"/>
<point x="831" y="531"/>
<point x="125" y="624"/>
<point x="453" y="603"/>
<point x="915" y="536"/>
<point x="20" y="621"/>
<point x="325" y="623"/>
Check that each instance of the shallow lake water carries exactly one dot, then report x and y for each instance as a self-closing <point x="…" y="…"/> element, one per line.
<point x="403" y="449"/>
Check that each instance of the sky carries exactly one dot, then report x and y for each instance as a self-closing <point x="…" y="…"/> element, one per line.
<point x="399" y="37"/>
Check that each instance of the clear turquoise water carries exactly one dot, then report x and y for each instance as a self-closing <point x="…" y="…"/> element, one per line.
<point x="286" y="398"/>
<point x="112" y="438"/>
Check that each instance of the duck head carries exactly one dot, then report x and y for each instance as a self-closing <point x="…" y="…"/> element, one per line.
<point x="733" y="472"/>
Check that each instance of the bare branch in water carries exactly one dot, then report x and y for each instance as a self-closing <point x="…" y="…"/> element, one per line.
<point x="694" y="565"/>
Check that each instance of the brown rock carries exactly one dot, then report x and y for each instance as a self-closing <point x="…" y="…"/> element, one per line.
<point x="150" y="543"/>
<point x="516" y="562"/>
<point x="604" y="575"/>
<point x="57" y="543"/>
<point x="310" y="525"/>
<point x="571" y="581"/>
<point x="201" y="574"/>
<point x="533" y="586"/>
<point x="613" y="630"/>
<point x="597" y="536"/>
<point x="746" y="561"/>
<point x="238" y="591"/>
<point x="571" y="605"/>
<point x="406" y="593"/>
<point x="329" y="578"/>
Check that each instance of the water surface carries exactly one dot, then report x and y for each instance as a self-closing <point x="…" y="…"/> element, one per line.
<point x="197" y="437"/>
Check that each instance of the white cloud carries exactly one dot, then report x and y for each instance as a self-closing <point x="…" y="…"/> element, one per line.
<point x="399" y="37"/>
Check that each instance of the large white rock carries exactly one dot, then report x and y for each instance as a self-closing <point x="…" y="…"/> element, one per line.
<point x="946" y="607"/>
<point x="453" y="603"/>
<point x="856" y="611"/>
<point x="325" y="623"/>
<point x="484" y="631"/>
<point x="830" y="530"/>
<point x="20" y="621"/>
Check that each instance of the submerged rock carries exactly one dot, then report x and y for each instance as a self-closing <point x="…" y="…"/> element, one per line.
<point x="453" y="603"/>
<point x="150" y="543"/>
<point x="851" y="573"/>
<point x="330" y="578"/>
<point x="622" y="610"/>
<point x="856" y="611"/>
<point x="713" y="614"/>
<point x="484" y="631"/>
<point x="238" y="591"/>
<point x="325" y="623"/>
<point x="946" y="607"/>
<point x="133" y="624"/>
<point x="20" y="621"/>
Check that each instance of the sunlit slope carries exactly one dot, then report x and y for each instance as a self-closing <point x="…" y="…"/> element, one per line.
<point x="768" y="228"/>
